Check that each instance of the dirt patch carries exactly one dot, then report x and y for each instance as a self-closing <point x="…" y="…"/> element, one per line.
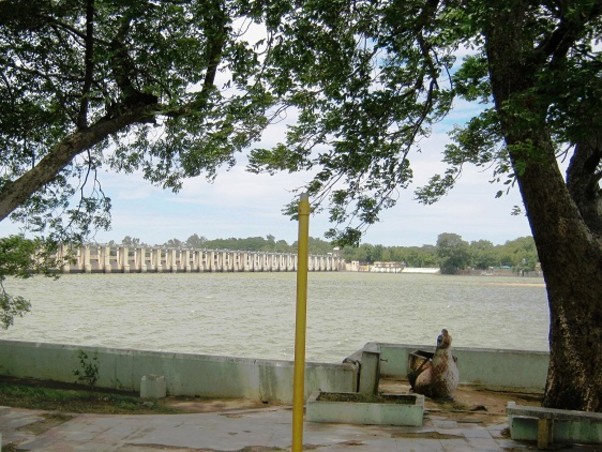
<point x="51" y="384"/>
<point x="62" y="397"/>
<point x="366" y="398"/>
<point x="425" y="435"/>
<point x="203" y="405"/>
<point x="49" y="420"/>
<point x="469" y="404"/>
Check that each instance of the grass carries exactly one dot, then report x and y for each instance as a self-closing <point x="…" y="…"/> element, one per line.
<point x="71" y="398"/>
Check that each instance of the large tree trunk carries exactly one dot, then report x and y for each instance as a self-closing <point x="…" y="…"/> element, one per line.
<point x="583" y="177"/>
<point x="569" y="251"/>
<point x="571" y="259"/>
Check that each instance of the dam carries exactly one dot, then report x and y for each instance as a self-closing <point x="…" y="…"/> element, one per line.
<point x="96" y="258"/>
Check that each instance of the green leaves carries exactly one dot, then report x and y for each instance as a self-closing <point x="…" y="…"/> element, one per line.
<point x="367" y="81"/>
<point x="11" y="307"/>
<point x="185" y="86"/>
<point x="88" y="371"/>
<point x="17" y="256"/>
<point x="147" y="74"/>
<point x="453" y="253"/>
<point x="22" y="258"/>
<point x="471" y="81"/>
<point x="279" y="158"/>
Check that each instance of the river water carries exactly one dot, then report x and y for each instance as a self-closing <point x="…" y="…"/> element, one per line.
<point x="253" y="314"/>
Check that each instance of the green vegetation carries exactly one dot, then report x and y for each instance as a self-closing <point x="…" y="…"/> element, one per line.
<point x="519" y="254"/>
<point x="52" y="396"/>
<point x="88" y="372"/>
<point x="22" y="258"/>
<point x="451" y="253"/>
<point x="400" y="399"/>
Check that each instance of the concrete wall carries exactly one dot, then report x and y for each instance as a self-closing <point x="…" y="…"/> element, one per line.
<point x="268" y="380"/>
<point x="491" y="368"/>
<point x="185" y="374"/>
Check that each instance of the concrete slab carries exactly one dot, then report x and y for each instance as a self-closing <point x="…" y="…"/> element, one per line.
<point x="364" y="409"/>
<point x="257" y="430"/>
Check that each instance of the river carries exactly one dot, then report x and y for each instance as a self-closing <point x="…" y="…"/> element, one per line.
<point x="253" y="314"/>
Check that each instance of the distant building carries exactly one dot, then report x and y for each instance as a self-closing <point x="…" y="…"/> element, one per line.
<point x="424" y="270"/>
<point x="357" y="266"/>
<point x="387" y="267"/>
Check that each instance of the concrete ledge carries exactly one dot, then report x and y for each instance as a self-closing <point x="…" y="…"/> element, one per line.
<point x="354" y="408"/>
<point x="185" y="373"/>
<point x="261" y="379"/>
<point x="548" y="425"/>
<point x="506" y="370"/>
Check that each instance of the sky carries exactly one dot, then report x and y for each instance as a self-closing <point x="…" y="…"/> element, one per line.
<point x="240" y="204"/>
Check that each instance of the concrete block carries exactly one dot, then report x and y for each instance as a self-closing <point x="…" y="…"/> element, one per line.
<point x="354" y="408"/>
<point x="153" y="387"/>
<point x="548" y="425"/>
<point x="369" y="372"/>
<point x="523" y="428"/>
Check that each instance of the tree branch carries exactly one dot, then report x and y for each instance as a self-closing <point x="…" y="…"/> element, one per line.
<point x="125" y="72"/>
<point x="566" y="34"/>
<point x="15" y="193"/>
<point x="215" y="27"/>
<point x="82" y="119"/>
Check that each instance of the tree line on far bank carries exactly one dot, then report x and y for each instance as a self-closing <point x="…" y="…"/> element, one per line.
<point x="451" y="253"/>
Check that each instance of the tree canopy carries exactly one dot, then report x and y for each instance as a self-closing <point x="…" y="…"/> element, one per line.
<point x="370" y="79"/>
<point x="128" y="86"/>
<point x="176" y="88"/>
<point x="519" y="254"/>
<point x="452" y="252"/>
<point x="21" y="258"/>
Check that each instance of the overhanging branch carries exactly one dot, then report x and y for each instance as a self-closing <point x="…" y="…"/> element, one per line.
<point x="82" y="119"/>
<point x="15" y="193"/>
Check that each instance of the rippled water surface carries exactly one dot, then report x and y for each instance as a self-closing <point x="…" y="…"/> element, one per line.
<point x="253" y="314"/>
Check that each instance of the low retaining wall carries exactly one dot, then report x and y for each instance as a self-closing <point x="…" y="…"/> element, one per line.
<point x="259" y="379"/>
<point x="514" y="370"/>
<point x="185" y="374"/>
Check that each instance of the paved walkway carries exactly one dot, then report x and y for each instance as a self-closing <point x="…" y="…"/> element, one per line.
<point x="248" y="430"/>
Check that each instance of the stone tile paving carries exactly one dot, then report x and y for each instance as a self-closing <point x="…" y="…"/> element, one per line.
<point x="256" y="430"/>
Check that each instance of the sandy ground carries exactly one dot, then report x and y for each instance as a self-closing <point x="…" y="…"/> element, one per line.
<point x="470" y="404"/>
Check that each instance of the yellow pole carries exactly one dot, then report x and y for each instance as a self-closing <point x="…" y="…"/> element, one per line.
<point x="299" y="375"/>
